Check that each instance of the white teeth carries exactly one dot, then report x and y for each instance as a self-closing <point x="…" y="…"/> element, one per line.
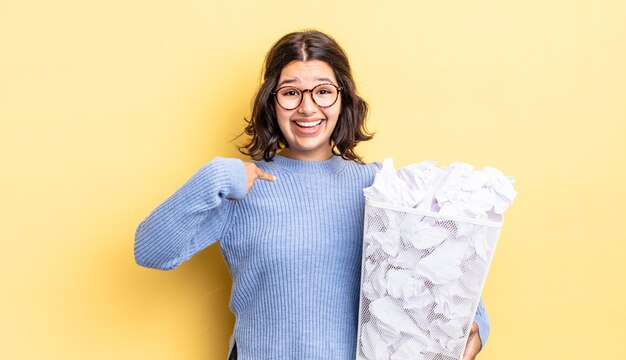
<point x="309" y="123"/>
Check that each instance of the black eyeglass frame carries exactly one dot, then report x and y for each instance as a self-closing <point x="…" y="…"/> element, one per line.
<point x="302" y="91"/>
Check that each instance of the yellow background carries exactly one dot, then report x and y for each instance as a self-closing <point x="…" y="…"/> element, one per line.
<point x="106" y="107"/>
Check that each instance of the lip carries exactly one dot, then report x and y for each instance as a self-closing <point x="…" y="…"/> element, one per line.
<point x="307" y="119"/>
<point x="307" y="131"/>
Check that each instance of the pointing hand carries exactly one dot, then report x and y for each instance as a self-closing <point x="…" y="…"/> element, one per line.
<point x="254" y="173"/>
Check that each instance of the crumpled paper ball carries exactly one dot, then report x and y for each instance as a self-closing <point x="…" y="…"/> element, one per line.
<point x="457" y="189"/>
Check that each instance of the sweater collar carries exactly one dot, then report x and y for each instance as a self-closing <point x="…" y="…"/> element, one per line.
<point x="334" y="164"/>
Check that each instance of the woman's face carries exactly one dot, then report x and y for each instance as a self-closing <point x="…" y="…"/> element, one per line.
<point x="308" y="127"/>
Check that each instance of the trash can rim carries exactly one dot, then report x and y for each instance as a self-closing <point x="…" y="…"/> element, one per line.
<point x="378" y="204"/>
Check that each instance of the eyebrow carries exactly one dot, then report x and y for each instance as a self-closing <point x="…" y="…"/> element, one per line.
<point x="293" y="80"/>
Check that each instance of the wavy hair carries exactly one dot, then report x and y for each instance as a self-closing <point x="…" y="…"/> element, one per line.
<point x="265" y="135"/>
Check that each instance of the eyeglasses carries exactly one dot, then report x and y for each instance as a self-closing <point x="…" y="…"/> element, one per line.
<point x="323" y="95"/>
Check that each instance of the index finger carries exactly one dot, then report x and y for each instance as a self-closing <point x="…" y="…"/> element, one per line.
<point x="265" y="176"/>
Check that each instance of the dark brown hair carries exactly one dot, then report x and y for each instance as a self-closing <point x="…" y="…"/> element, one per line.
<point x="266" y="137"/>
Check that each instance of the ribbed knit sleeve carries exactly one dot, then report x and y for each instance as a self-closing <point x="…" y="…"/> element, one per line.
<point x="192" y="218"/>
<point x="482" y="320"/>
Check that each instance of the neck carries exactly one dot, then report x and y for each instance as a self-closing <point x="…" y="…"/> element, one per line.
<point x="319" y="155"/>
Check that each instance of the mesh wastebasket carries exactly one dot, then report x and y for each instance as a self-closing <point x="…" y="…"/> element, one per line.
<point x="421" y="281"/>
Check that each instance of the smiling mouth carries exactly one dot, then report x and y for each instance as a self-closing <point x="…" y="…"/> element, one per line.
<point x="308" y="124"/>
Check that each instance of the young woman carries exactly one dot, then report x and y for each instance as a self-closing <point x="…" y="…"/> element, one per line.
<point x="289" y="223"/>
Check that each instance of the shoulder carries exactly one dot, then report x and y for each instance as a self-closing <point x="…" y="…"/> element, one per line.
<point x="363" y="172"/>
<point x="377" y="165"/>
<point x="367" y="167"/>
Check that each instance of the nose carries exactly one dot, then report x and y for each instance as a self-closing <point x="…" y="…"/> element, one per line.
<point x="307" y="106"/>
